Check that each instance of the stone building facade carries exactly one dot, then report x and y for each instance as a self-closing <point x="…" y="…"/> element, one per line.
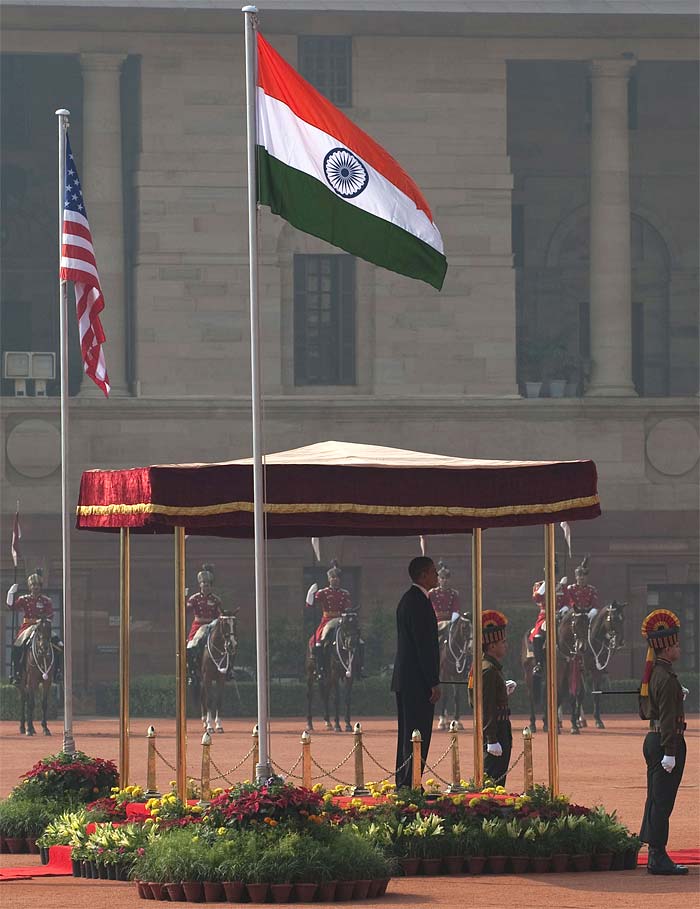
<point x="559" y="155"/>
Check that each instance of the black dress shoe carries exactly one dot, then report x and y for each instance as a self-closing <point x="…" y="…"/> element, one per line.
<point x="660" y="863"/>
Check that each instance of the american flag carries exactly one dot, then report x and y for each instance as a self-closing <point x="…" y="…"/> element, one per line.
<point x="78" y="265"/>
<point x="16" y="537"/>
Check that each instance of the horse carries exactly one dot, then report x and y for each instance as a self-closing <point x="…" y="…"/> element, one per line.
<point x="455" y="662"/>
<point x="572" y="640"/>
<point x="336" y="668"/>
<point x="216" y="665"/>
<point x="534" y="682"/>
<point x="605" y="636"/>
<point x="38" y="672"/>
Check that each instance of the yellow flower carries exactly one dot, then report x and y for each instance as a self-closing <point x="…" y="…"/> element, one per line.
<point x="221" y="831"/>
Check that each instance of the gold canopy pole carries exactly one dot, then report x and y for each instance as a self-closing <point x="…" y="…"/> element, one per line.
<point x="124" y="642"/>
<point x="477" y="659"/>
<point x="551" y="619"/>
<point x="180" y="667"/>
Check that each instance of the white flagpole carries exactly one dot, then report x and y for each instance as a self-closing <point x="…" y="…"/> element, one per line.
<point x="68" y="741"/>
<point x="263" y="769"/>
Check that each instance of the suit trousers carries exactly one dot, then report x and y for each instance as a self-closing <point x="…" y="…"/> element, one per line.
<point x="496" y="768"/>
<point x="661" y="790"/>
<point x="414" y="711"/>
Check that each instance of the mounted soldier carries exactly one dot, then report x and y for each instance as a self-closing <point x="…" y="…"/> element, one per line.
<point x="454" y="639"/>
<point x="582" y="596"/>
<point x="206" y="607"/>
<point x="35" y="606"/>
<point x="538" y="635"/>
<point x="444" y="600"/>
<point x="333" y="601"/>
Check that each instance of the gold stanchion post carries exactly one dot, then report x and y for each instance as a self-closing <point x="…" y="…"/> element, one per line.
<point x="529" y="778"/>
<point x="417" y="768"/>
<point x="256" y="752"/>
<point x="360" y="788"/>
<point x="180" y="667"/>
<point x="477" y="656"/>
<point x="124" y="622"/>
<point x="551" y="643"/>
<point x="205" y="796"/>
<point x="151" y="788"/>
<point x="456" y="785"/>
<point x="306" y="759"/>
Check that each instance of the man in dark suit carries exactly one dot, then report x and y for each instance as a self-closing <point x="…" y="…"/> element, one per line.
<point x="416" y="667"/>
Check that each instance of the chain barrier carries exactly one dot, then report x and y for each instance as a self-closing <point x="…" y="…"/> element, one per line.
<point x="431" y="768"/>
<point x="390" y="773"/>
<point x="224" y="776"/>
<point x="165" y="760"/>
<point x="289" y="772"/>
<point x="512" y="767"/>
<point x="329" y="773"/>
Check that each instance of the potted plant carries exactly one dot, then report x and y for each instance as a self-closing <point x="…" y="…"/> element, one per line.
<point x="537" y="840"/>
<point x="429" y="842"/>
<point x="631" y="853"/>
<point x="559" y="367"/>
<point x="531" y="353"/>
<point x="474" y="847"/>
<point x="498" y="843"/>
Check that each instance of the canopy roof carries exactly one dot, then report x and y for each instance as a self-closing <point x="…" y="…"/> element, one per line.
<point x="340" y="488"/>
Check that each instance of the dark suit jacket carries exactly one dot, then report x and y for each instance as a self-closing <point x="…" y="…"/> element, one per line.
<point x="417" y="663"/>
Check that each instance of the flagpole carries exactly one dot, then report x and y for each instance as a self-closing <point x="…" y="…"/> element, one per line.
<point x="263" y="769"/>
<point x="68" y="741"/>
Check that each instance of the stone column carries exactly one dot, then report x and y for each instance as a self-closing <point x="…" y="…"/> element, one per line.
<point x="102" y="175"/>
<point x="610" y="255"/>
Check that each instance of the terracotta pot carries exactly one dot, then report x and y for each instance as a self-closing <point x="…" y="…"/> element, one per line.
<point x="234" y="891"/>
<point x="361" y="891"/>
<point x="326" y="891"/>
<point x="560" y="862"/>
<point x="496" y="864"/>
<point x="475" y="864"/>
<point x="257" y="892"/>
<point x="374" y="886"/>
<point x="139" y="889"/>
<point x="602" y="861"/>
<point x="147" y="892"/>
<point x="454" y="864"/>
<point x="409" y="866"/>
<point x="281" y="893"/>
<point x="519" y="864"/>
<point x="383" y="884"/>
<point x="344" y="890"/>
<point x="631" y="859"/>
<point x="194" y="891"/>
<point x="32" y="846"/>
<point x="175" y="892"/>
<point x="431" y="866"/>
<point x="157" y="890"/>
<point x="581" y="861"/>
<point x="16" y="844"/>
<point x="305" y="893"/>
<point x="213" y="892"/>
<point x="541" y="863"/>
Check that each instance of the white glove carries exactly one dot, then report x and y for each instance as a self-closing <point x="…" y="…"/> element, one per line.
<point x="510" y="686"/>
<point x="11" y="594"/>
<point x="310" y="594"/>
<point x="686" y="692"/>
<point x="455" y="616"/>
<point x="668" y="762"/>
<point x="592" y="613"/>
<point x="541" y="589"/>
<point x="495" y="749"/>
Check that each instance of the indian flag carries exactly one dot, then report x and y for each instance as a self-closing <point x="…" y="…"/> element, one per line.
<point x="327" y="177"/>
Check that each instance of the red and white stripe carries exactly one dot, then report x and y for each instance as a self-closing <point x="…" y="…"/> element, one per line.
<point x="79" y="266"/>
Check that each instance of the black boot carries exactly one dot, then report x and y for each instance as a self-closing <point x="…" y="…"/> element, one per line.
<point x="538" y="650"/>
<point x="660" y="863"/>
<point x="58" y="660"/>
<point x="17" y="657"/>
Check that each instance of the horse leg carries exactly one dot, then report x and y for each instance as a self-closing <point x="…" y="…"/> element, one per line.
<point x="309" y="698"/>
<point x="45" y="709"/>
<point x="599" y="724"/>
<point x="30" y="711"/>
<point x="336" y="700"/>
<point x="219" y="701"/>
<point x="23" y="711"/>
<point x="457" y="720"/>
<point x="326" y="698"/>
<point x="348" y="695"/>
<point x="442" y="707"/>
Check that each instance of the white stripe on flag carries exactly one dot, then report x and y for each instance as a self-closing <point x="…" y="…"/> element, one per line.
<point x="80" y="265"/>
<point x="304" y="147"/>
<point x="76" y="240"/>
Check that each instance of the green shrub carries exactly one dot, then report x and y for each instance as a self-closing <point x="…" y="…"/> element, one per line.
<point x="175" y="856"/>
<point x="26" y="817"/>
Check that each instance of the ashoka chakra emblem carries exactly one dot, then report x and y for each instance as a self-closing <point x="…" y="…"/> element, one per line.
<point x="345" y="173"/>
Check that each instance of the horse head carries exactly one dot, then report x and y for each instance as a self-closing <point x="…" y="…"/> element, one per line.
<point x="612" y="624"/>
<point x="572" y="633"/>
<point x="228" y="625"/>
<point x="579" y="628"/>
<point x="41" y="636"/>
<point x="348" y="634"/>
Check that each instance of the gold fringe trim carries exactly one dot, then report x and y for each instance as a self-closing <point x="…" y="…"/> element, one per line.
<point x="441" y="511"/>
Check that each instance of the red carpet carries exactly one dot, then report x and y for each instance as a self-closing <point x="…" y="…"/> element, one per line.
<point x="679" y="856"/>
<point x="59" y="865"/>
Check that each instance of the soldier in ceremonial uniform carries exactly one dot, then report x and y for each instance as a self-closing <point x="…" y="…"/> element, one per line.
<point x="444" y="599"/>
<point x="581" y="596"/>
<point x="498" y="736"/>
<point x="34" y="605"/>
<point x="206" y="607"/>
<point x="333" y="601"/>
<point x="538" y="633"/>
<point x="661" y="702"/>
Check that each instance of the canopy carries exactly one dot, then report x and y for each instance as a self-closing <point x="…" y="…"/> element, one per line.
<point x="340" y="488"/>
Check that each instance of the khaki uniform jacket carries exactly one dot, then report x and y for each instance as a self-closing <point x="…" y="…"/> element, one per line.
<point x="666" y="705"/>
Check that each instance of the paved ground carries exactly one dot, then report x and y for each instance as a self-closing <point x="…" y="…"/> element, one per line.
<point x="597" y="767"/>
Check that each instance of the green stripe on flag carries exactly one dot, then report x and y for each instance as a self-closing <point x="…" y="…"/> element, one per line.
<point x="316" y="209"/>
